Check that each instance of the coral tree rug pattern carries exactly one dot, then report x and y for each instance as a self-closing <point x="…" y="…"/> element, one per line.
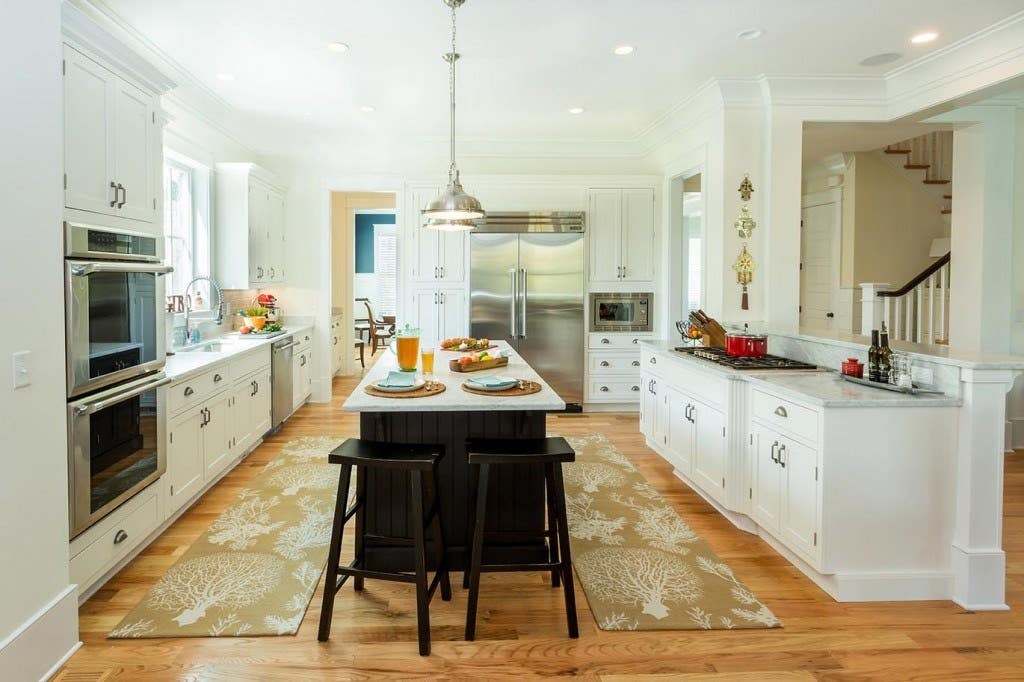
<point x="256" y="567"/>
<point x="640" y="565"/>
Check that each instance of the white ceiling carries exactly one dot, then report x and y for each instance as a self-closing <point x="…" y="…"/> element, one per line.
<point x="525" y="62"/>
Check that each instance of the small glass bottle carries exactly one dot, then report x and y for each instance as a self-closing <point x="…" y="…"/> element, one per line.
<point x="885" y="358"/>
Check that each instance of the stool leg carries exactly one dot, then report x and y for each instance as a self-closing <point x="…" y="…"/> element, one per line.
<point x="549" y="487"/>
<point x="477" y="550"/>
<point x="473" y="484"/>
<point x="440" y="542"/>
<point x="566" y="555"/>
<point x="419" y="550"/>
<point x="334" y="554"/>
<point x="360" y="549"/>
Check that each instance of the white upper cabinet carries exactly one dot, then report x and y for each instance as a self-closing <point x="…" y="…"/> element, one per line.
<point x="621" y="227"/>
<point x="111" y="142"/>
<point x="438" y="256"/>
<point x="249" y="228"/>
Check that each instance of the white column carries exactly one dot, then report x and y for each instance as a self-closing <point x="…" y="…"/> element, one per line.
<point x="872" y="306"/>
<point x="977" y="557"/>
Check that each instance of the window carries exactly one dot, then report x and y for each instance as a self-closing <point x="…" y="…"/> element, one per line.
<point x="186" y="222"/>
<point x="385" y="249"/>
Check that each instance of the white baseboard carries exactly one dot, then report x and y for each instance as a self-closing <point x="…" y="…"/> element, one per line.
<point x="979" y="579"/>
<point x="43" y="643"/>
<point x="1015" y="434"/>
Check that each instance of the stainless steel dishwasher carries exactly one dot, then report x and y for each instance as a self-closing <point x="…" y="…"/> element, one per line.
<point x="281" y="377"/>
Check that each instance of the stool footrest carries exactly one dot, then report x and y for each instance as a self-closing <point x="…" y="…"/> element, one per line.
<point x="349" y="571"/>
<point x="518" y="534"/>
<point x="510" y="568"/>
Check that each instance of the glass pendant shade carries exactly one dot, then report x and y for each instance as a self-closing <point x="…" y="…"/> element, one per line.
<point x="450" y="225"/>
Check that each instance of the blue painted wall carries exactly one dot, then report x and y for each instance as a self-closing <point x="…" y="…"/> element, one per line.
<point x="364" y="237"/>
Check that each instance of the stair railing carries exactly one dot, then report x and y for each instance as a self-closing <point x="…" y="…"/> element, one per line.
<point x="919" y="310"/>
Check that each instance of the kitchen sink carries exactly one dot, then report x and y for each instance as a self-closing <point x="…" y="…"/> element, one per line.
<point x="207" y="347"/>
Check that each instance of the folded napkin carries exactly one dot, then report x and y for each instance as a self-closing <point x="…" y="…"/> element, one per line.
<point x="491" y="381"/>
<point x="398" y="380"/>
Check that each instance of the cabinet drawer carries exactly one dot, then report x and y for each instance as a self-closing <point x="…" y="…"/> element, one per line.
<point x="616" y="341"/>
<point x="614" y="363"/>
<point x="192" y="391"/>
<point x="250" y="362"/>
<point x="614" y="391"/>
<point x="303" y="340"/>
<point x="126" y="528"/>
<point x="786" y="415"/>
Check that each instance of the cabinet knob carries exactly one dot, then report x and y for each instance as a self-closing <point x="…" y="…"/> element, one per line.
<point x="605" y="363"/>
<point x="635" y="388"/>
<point x="636" y="363"/>
<point x="217" y="378"/>
<point x="188" y="391"/>
<point x="604" y="389"/>
<point x="654" y="360"/>
<point x="120" y="536"/>
<point x="636" y="341"/>
<point x="605" y="341"/>
<point x="781" y="411"/>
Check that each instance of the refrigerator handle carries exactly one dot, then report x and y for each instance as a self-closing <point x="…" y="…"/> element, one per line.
<point x="512" y="304"/>
<point x="522" y="304"/>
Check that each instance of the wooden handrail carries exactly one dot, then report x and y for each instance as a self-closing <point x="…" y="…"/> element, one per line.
<point x="925" y="274"/>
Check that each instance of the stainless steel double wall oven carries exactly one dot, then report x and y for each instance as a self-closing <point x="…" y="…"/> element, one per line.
<point x="116" y="348"/>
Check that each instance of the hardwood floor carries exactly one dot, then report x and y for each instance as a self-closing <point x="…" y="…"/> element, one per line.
<point x="521" y="625"/>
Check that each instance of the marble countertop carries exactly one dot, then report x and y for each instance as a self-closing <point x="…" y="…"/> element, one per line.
<point x="823" y="388"/>
<point x="454" y="399"/>
<point x="184" y="364"/>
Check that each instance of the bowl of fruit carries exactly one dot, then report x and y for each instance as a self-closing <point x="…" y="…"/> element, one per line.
<point x="477" y="361"/>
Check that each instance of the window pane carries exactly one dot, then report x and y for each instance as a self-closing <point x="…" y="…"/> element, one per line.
<point x="178" y="225"/>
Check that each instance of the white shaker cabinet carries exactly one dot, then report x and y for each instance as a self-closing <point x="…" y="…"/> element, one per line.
<point x="438" y="256"/>
<point x="111" y="142"/>
<point x="185" y="465"/>
<point x="250" y="236"/>
<point x="217" y="434"/>
<point x="440" y="314"/>
<point x="621" y="226"/>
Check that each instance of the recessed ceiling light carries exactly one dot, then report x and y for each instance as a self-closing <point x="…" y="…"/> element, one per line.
<point x="623" y="50"/>
<point x="750" y="34"/>
<point x="337" y="47"/>
<point x="226" y="76"/>
<point x="576" y="110"/>
<point x="879" y="59"/>
<point x="926" y="37"/>
<point x="367" y="109"/>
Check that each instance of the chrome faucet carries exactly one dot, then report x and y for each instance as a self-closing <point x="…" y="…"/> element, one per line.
<point x="214" y="287"/>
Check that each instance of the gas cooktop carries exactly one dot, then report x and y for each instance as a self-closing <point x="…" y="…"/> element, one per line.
<point x="719" y="356"/>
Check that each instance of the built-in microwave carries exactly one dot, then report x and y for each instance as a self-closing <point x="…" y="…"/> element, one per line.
<point x="621" y="312"/>
<point x="114" y="302"/>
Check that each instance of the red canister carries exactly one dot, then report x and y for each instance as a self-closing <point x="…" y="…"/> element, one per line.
<point x="854" y="368"/>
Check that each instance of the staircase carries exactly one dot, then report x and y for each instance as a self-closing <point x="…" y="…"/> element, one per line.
<point x="929" y="159"/>
<point x="919" y="310"/>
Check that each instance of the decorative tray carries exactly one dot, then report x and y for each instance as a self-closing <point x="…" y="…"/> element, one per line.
<point x="889" y="387"/>
<point x="262" y="335"/>
<point x="456" y="366"/>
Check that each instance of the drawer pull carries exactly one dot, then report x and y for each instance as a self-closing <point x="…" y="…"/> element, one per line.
<point x="217" y="378"/>
<point x="604" y="389"/>
<point x="654" y="360"/>
<point x="782" y="450"/>
<point x="635" y="341"/>
<point x="188" y="391"/>
<point x="120" y="536"/>
<point x="773" y="456"/>
<point x="635" y="388"/>
<point x="636" y="363"/>
<point x="605" y="363"/>
<point x="605" y="341"/>
<point x="781" y="411"/>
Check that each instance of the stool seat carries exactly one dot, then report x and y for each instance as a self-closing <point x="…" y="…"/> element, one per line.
<point x="359" y="452"/>
<point x="519" y="450"/>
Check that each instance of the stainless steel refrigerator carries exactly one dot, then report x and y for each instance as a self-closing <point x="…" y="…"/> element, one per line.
<point x="527" y="288"/>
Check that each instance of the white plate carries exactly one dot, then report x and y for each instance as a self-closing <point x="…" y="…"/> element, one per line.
<point x="502" y="387"/>
<point x="416" y="385"/>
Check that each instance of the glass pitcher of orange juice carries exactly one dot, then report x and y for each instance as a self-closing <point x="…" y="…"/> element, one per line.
<point x="407" y="348"/>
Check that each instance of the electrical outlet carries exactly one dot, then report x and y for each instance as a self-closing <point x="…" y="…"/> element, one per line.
<point x="20" y="365"/>
<point x="923" y="376"/>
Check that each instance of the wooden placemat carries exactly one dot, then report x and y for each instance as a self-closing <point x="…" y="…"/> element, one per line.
<point x="422" y="392"/>
<point x="530" y="387"/>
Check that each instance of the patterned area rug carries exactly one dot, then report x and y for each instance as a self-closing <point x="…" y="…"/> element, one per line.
<point x="256" y="567"/>
<point x="641" y="566"/>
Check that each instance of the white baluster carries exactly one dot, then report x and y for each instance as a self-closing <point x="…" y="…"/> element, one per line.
<point x="920" y="309"/>
<point x="909" y="313"/>
<point x="898" y="319"/>
<point x="931" y="308"/>
<point x="943" y="282"/>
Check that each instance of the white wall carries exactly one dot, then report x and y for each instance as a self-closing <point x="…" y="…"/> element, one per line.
<point x="33" y="486"/>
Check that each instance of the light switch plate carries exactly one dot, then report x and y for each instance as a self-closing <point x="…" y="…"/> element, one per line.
<point x="923" y="376"/>
<point x="21" y="373"/>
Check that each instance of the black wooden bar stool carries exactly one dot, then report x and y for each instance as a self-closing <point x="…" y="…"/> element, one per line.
<point x="550" y="452"/>
<point x="417" y="460"/>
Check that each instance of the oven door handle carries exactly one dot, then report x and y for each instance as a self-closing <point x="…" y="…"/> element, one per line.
<point x="90" y="268"/>
<point x="89" y="408"/>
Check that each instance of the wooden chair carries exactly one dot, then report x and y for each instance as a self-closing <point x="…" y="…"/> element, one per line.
<point x="380" y="328"/>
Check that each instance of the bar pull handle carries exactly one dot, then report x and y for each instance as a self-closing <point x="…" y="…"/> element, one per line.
<point x="773" y="456"/>
<point x="523" y="303"/>
<point x="782" y="450"/>
<point x="113" y="186"/>
<point x="513" y="300"/>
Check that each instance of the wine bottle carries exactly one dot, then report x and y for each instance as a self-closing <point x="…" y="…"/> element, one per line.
<point x="884" y="356"/>
<point x="874" y="369"/>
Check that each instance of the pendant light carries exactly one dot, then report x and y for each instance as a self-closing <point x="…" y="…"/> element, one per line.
<point x="453" y="209"/>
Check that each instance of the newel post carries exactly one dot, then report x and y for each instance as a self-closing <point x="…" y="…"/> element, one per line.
<point x="872" y="306"/>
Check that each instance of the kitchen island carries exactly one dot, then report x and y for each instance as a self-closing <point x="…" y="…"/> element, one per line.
<point x="516" y="497"/>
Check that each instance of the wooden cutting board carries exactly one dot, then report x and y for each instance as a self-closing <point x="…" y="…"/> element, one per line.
<point x="455" y="366"/>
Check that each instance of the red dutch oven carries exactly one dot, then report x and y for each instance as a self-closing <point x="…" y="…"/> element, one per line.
<point x="746" y="345"/>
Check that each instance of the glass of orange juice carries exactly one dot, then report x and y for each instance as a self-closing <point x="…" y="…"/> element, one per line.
<point x="427" y="360"/>
<point x="407" y="348"/>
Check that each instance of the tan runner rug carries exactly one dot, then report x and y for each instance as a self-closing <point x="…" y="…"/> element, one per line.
<point x="256" y="567"/>
<point x="641" y="566"/>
